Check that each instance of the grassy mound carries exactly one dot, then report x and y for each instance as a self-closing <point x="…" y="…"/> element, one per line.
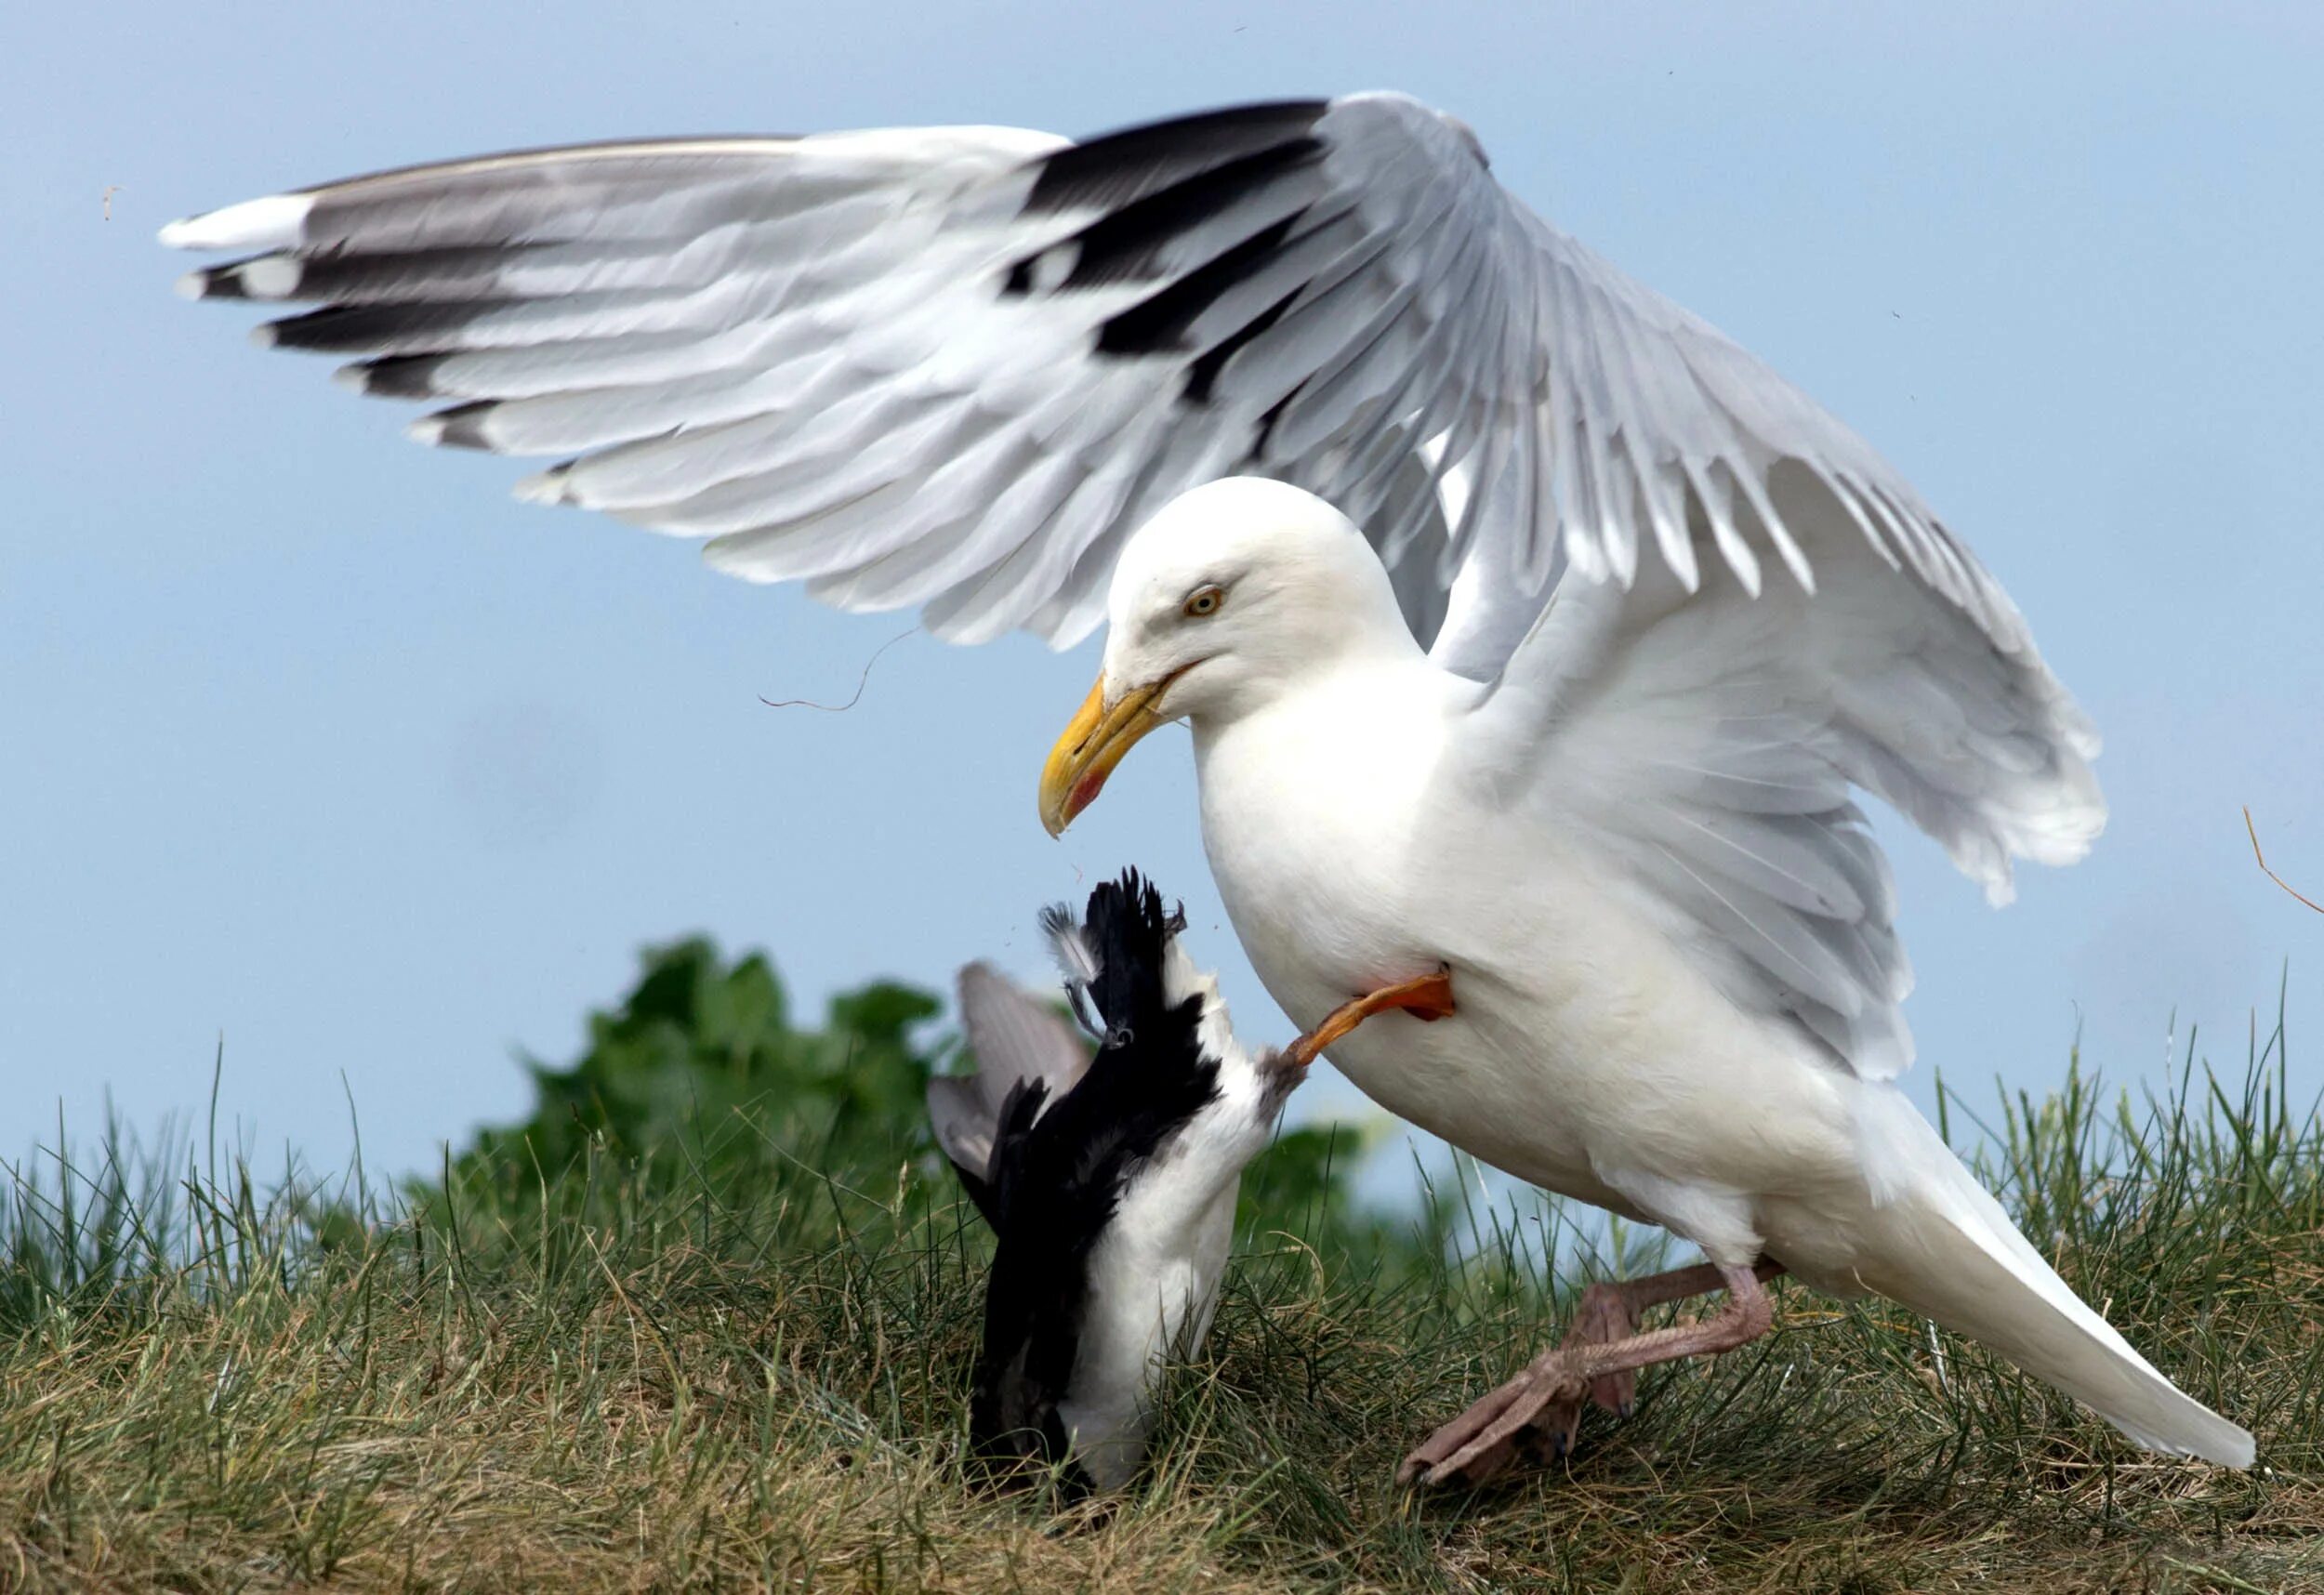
<point x="738" y="1357"/>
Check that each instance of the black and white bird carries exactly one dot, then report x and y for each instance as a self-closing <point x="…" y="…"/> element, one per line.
<point x="1526" y="624"/>
<point x="1109" y="1180"/>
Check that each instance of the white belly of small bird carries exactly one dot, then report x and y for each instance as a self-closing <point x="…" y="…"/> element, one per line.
<point x="1154" y="1284"/>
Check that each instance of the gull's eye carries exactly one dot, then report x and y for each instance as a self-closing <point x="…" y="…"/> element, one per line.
<point x="1204" y="600"/>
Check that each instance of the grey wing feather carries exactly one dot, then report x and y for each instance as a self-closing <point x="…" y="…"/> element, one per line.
<point x="1016" y="1038"/>
<point x="951" y="367"/>
<point x="954" y="367"/>
<point x="1708" y="745"/>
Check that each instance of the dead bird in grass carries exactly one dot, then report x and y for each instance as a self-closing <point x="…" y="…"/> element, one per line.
<point x="1110" y="1178"/>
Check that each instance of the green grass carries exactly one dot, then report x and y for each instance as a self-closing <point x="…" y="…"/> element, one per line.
<point x="700" y="1370"/>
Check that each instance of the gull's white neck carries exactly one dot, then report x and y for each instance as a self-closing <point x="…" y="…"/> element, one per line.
<point x="1308" y="801"/>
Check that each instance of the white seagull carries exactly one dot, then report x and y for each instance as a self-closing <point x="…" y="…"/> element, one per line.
<point x="1568" y="694"/>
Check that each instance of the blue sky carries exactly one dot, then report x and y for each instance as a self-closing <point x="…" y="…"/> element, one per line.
<point x="313" y="740"/>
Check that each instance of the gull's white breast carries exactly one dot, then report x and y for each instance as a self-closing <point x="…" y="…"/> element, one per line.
<point x="1352" y="848"/>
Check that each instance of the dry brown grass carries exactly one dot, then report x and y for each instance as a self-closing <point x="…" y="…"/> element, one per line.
<point x="764" y="1389"/>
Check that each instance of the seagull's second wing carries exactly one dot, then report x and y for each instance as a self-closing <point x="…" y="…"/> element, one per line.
<point x="1706" y="745"/>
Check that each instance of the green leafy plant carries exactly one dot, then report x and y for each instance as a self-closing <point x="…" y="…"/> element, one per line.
<point x="699" y="1068"/>
<point x="698" y="1074"/>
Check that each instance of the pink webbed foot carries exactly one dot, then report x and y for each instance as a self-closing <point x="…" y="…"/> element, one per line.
<point x="1536" y="1416"/>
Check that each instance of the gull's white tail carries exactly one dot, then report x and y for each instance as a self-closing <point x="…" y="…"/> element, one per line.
<point x="1949" y="1252"/>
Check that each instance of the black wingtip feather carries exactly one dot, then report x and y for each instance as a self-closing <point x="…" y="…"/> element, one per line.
<point x="377" y="329"/>
<point x="1127" y="245"/>
<point x="462" y="427"/>
<point x="219" y="282"/>
<point x="400" y="375"/>
<point x="1120" y="168"/>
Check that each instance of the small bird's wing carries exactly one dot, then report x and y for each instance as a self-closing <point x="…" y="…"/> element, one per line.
<point x="955" y="367"/>
<point x="1705" y="745"/>
<point x="1018" y="1040"/>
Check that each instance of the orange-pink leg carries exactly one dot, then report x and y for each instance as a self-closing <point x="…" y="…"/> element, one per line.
<point x="1428" y="997"/>
<point x="1537" y="1413"/>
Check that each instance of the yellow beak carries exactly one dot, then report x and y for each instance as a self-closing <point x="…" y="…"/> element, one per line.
<point x="1095" y="743"/>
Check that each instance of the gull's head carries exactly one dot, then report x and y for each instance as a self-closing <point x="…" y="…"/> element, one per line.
<point x="1231" y="595"/>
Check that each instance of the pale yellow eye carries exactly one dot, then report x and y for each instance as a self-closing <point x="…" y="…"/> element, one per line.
<point x="1203" y="601"/>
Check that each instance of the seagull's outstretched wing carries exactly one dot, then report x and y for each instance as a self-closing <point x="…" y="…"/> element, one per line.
<point x="1706" y="744"/>
<point x="955" y="367"/>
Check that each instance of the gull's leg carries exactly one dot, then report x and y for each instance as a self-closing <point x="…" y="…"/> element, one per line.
<point x="1428" y="997"/>
<point x="1610" y="1309"/>
<point x="1609" y="1312"/>
<point x="1537" y="1411"/>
